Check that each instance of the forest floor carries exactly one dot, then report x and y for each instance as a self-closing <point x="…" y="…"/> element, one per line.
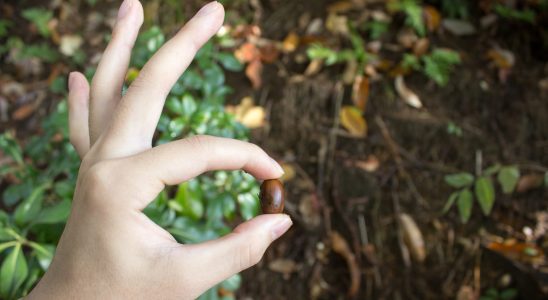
<point x="367" y="207"/>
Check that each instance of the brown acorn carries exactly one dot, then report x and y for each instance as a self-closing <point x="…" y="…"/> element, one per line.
<point x="272" y="196"/>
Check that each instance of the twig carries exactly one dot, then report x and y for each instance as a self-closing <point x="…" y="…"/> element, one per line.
<point x="393" y="148"/>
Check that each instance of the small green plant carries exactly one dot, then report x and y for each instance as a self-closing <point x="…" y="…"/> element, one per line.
<point x="413" y="12"/>
<point x="494" y="294"/>
<point x="482" y="187"/>
<point x="436" y="65"/>
<point x="525" y="15"/>
<point x="43" y="174"/>
<point x="40" y="18"/>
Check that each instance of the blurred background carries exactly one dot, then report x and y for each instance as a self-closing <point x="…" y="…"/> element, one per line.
<point x="413" y="134"/>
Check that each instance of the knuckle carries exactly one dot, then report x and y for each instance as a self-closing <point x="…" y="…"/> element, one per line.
<point x="98" y="181"/>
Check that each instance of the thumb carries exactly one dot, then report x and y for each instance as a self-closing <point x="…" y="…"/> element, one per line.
<point x="244" y="247"/>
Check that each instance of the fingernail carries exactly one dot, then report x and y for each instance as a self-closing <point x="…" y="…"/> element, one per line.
<point x="277" y="166"/>
<point x="124" y="8"/>
<point x="281" y="227"/>
<point x="209" y="8"/>
<point x="71" y="80"/>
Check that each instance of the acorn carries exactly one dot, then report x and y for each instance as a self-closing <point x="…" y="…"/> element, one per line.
<point x="272" y="196"/>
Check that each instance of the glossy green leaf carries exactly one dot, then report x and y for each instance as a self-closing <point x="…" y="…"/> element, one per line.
<point x="508" y="178"/>
<point x="13" y="272"/>
<point x="485" y="193"/>
<point x="44" y="254"/>
<point x="249" y="205"/>
<point x="57" y="213"/>
<point x="191" y="204"/>
<point x="492" y="170"/>
<point x="230" y="62"/>
<point x="4" y="235"/>
<point x="464" y="204"/>
<point x="6" y="245"/>
<point x="459" y="180"/>
<point x="29" y="208"/>
<point x="450" y="201"/>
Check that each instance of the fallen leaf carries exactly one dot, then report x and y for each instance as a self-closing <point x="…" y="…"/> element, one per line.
<point x="337" y="24"/>
<point x="340" y="246"/>
<point x="407" y="37"/>
<point x="289" y="172"/>
<point x="23" y="112"/>
<point x="247" y="113"/>
<point x="432" y="17"/>
<point x="309" y="210"/>
<point x="69" y="44"/>
<point x="284" y="266"/>
<point x="503" y="59"/>
<point x="352" y="119"/>
<point x="315" y="27"/>
<point x="421" y="46"/>
<point x="340" y="7"/>
<point x="370" y="165"/>
<point x="247" y="53"/>
<point x="314" y="67"/>
<point x="269" y="53"/>
<point x="412" y="237"/>
<point x="407" y="95"/>
<point x="458" y="27"/>
<point x="360" y="92"/>
<point x="253" y="72"/>
<point x="529" y="182"/>
<point x="524" y="252"/>
<point x="349" y="74"/>
<point x="290" y="43"/>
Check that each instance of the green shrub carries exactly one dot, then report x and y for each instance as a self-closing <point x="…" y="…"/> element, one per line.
<point x="45" y="170"/>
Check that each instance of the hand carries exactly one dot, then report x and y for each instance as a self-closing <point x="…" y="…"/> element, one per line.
<point x="109" y="248"/>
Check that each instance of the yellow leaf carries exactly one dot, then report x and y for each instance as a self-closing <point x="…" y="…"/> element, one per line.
<point x="291" y="42"/>
<point x="352" y="119"/>
<point x="254" y="117"/>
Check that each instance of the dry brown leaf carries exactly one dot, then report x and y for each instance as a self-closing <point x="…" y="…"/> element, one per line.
<point x="313" y="67"/>
<point x="352" y="119"/>
<point x="284" y="266"/>
<point x="503" y="59"/>
<point x="432" y="17"/>
<point x="466" y="293"/>
<point x="412" y="237"/>
<point x="290" y="43"/>
<point x="253" y="72"/>
<point x="360" y="92"/>
<point x="407" y="95"/>
<point x="529" y="182"/>
<point x="23" y="112"/>
<point x="349" y="74"/>
<point x="340" y="246"/>
<point x="458" y="27"/>
<point x="247" y="53"/>
<point x="370" y="165"/>
<point x="289" y="172"/>
<point x="407" y="37"/>
<point x="340" y="7"/>
<point x="421" y="46"/>
<point x="269" y="53"/>
<point x="337" y="24"/>
<point x="254" y="117"/>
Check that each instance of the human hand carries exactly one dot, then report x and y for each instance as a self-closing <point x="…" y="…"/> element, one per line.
<point x="109" y="248"/>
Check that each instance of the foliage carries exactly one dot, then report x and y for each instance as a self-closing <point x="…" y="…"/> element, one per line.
<point x="43" y="173"/>
<point x="525" y="15"/>
<point x="494" y="294"/>
<point x="482" y="185"/>
<point x="413" y="11"/>
<point x="436" y="65"/>
<point x="455" y="8"/>
<point x="40" y="18"/>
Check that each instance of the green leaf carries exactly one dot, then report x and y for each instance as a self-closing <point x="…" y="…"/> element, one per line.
<point x="57" y="213"/>
<point x="508" y="294"/>
<point x="465" y="203"/>
<point x="508" y="178"/>
<point x="10" y="147"/>
<point x="44" y="254"/>
<point x="459" y="180"/>
<point x="29" y="208"/>
<point x="232" y="283"/>
<point x="13" y="272"/>
<point x="191" y="202"/>
<point x="40" y="18"/>
<point x="485" y="193"/>
<point x="492" y="170"/>
<point x="4" y="235"/>
<point x="452" y="198"/>
<point x="230" y="62"/>
<point x="249" y="205"/>
<point x="6" y="245"/>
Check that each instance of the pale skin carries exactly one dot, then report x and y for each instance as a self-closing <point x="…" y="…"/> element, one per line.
<point x="109" y="248"/>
